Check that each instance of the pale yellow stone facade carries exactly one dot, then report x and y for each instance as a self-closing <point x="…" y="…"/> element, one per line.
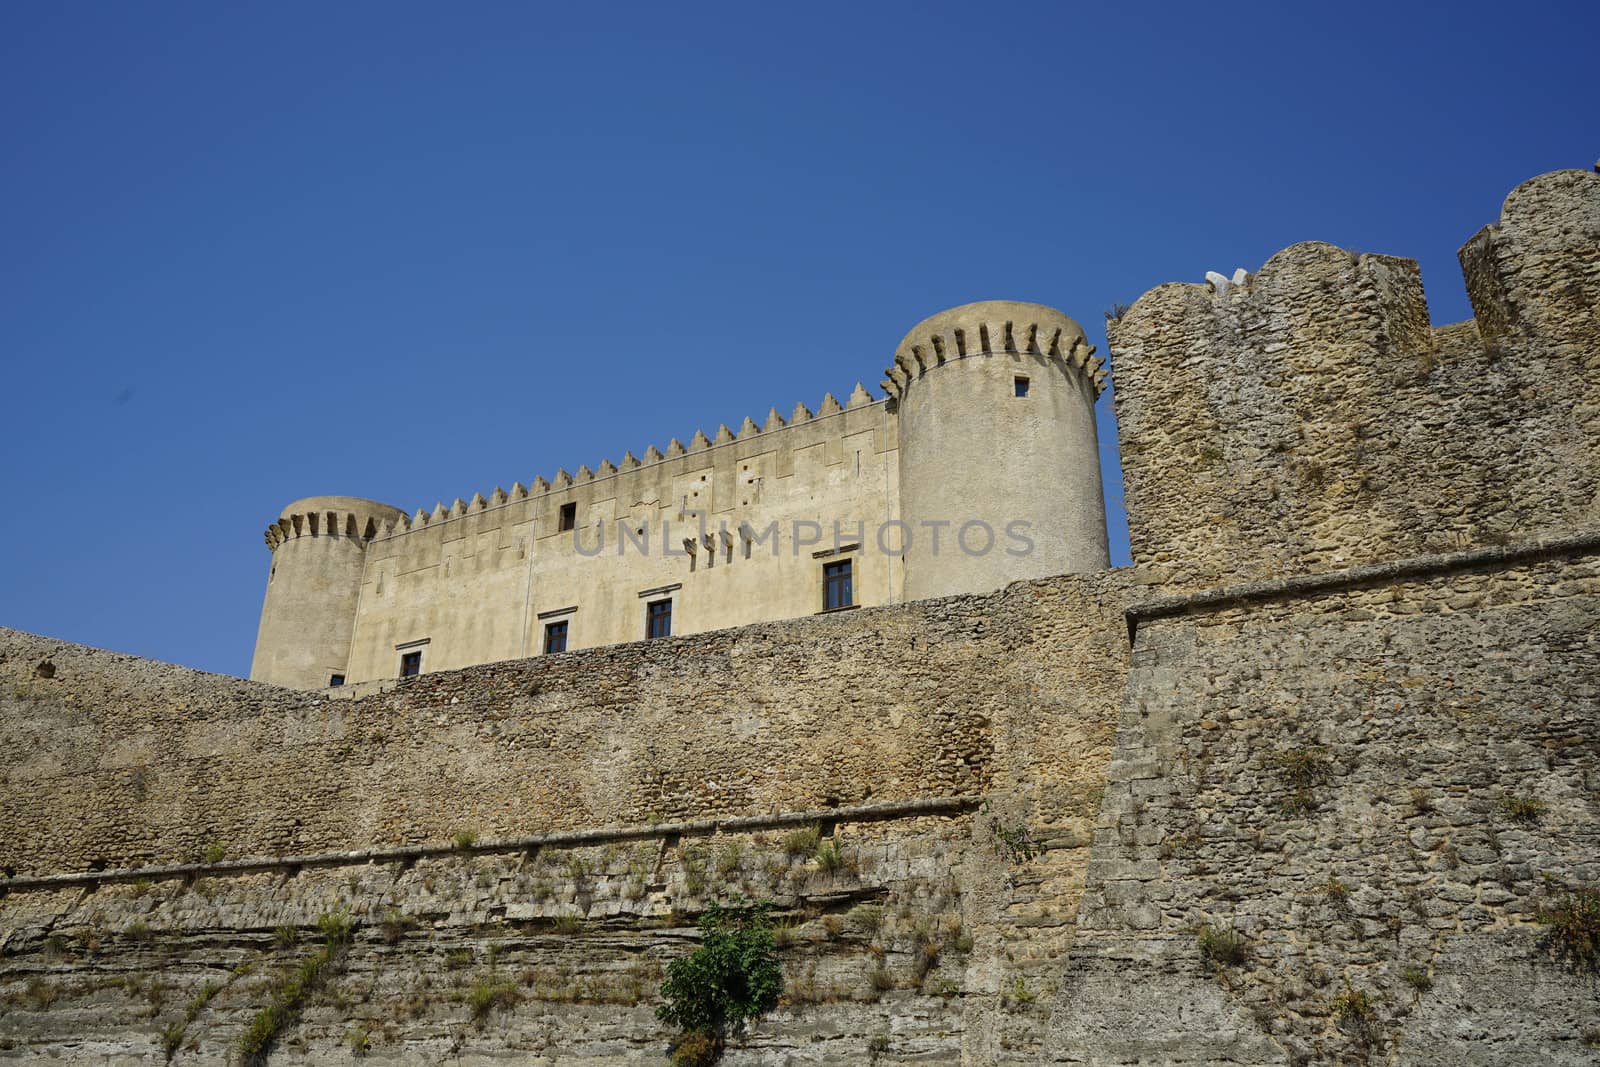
<point x="978" y="468"/>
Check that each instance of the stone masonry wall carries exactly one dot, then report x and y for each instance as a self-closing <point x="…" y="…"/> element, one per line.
<point x="1309" y="418"/>
<point x="111" y="761"/>
<point x="1376" y="788"/>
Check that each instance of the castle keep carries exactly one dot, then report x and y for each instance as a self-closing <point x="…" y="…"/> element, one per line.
<point x="1315" y="780"/>
<point x="979" y="467"/>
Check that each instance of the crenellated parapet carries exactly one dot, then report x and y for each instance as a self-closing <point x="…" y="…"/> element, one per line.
<point x="700" y="442"/>
<point x="345" y="517"/>
<point x="1308" y="415"/>
<point x="988" y="328"/>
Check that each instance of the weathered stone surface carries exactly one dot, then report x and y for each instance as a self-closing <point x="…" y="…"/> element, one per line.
<point x="1344" y="713"/>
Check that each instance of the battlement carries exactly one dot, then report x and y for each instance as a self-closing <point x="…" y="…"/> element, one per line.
<point x="1536" y="271"/>
<point x="1309" y="415"/>
<point x="332" y="516"/>
<point x="653" y="457"/>
<point x="988" y="327"/>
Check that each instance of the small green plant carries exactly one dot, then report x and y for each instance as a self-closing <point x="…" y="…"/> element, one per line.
<point x="878" y="1044"/>
<point x="1017" y="994"/>
<point x="567" y="924"/>
<point x="1573" y="929"/>
<point x="1357" y="1014"/>
<point x="1337" y="894"/>
<point x="1210" y="455"/>
<point x="729" y="857"/>
<point x="802" y="841"/>
<point x="1303" y="768"/>
<point x="359" y="1038"/>
<point x="138" y="930"/>
<point x="465" y="838"/>
<point x="1522" y="809"/>
<point x="457" y="958"/>
<point x="486" y="996"/>
<point x="695" y="1049"/>
<point x="1222" y="947"/>
<point x="172" y="1036"/>
<point x="868" y="917"/>
<point x="926" y="959"/>
<point x="1117" y="310"/>
<point x="1421" y="801"/>
<point x="286" y="936"/>
<point x="394" y="925"/>
<point x="293" y="987"/>
<point x="1417" y="978"/>
<point x="1015" y="842"/>
<point x="880" y="980"/>
<point x="39" y="994"/>
<point x="214" y="852"/>
<point x="732" y="979"/>
<point x="829" y="856"/>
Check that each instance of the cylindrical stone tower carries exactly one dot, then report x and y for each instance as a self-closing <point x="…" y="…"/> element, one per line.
<point x="319" y="550"/>
<point x="999" y="462"/>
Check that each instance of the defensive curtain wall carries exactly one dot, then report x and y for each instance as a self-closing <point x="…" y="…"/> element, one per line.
<point x="1307" y="783"/>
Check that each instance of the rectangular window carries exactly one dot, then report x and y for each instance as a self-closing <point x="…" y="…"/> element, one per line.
<point x="411" y="664"/>
<point x="658" y="619"/>
<point x="1021" y="385"/>
<point x="336" y="680"/>
<point x="555" y="637"/>
<point x="836" y="591"/>
<point x="568" y="518"/>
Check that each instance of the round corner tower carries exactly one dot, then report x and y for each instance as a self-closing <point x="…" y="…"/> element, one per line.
<point x="319" y="551"/>
<point x="997" y="433"/>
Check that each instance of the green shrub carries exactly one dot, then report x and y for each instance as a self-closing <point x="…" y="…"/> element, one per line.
<point x="293" y="987"/>
<point x="869" y="917"/>
<point x="359" y="1038"/>
<point x="1573" y="935"/>
<point x="732" y="979"/>
<point x="394" y="925"/>
<point x="465" y="838"/>
<point x="829" y="856"/>
<point x="696" y="1049"/>
<point x="1357" y="1014"/>
<point x="485" y="997"/>
<point x="286" y="936"/>
<point x="1523" y="809"/>
<point x="803" y="841"/>
<point x="1337" y="894"/>
<point x="1303" y="768"/>
<point x="214" y="852"/>
<point x="172" y="1036"/>
<point x="729" y="857"/>
<point x="1222" y="947"/>
<point x="1417" y="978"/>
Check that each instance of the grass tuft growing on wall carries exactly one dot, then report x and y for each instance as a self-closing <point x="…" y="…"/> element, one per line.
<point x="294" y="987"/>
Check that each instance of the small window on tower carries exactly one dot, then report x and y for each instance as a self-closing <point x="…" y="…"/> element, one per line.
<point x="658" y="619"/>
<point x="336" y="681"/>
<point x="555" y="637"/>
<point x="568" y="519"/>
<point x="410" y="664"/>
<point x="837" y="579"/>
<point x="1021" y="385"/>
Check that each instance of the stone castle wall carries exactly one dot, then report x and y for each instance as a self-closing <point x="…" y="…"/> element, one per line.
<point x="479" y="580"/>
<point x="1302" y="785"/>
<point x="1310" y="418"/>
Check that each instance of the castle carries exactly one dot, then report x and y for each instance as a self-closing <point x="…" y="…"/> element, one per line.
<point x="1314" y="780"/>
<point x="978" y="468"/>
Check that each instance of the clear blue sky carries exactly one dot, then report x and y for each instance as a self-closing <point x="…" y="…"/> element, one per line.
<point x="252" y="253"/>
